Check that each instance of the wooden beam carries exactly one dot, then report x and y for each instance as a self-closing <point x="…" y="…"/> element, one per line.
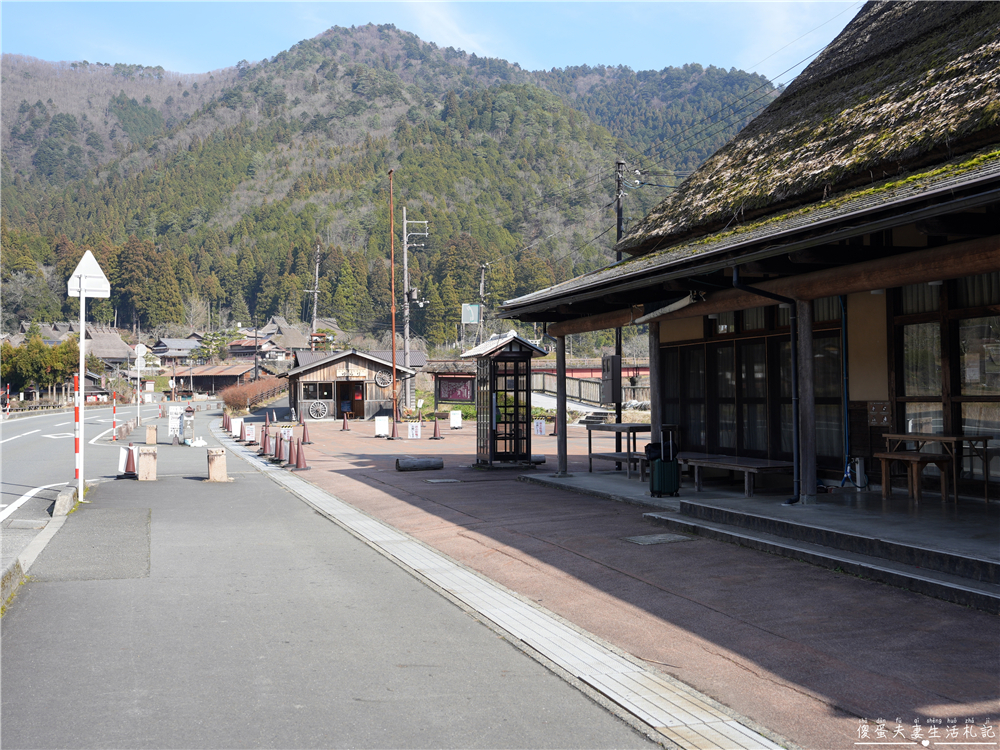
<point x="614" y="319"/>
<point x="933" y="264"/>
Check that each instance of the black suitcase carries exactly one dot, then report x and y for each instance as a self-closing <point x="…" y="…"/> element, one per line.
<point x="664" y="470"/>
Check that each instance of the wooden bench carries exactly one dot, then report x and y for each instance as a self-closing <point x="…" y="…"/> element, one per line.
<point x="749" y="467"/>
<point x="915" y="462"/>
<point x="628" y="458"/>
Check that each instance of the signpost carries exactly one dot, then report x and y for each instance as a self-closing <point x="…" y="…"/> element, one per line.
<point x="140" y="357"/>
<point x="87" y="280"/>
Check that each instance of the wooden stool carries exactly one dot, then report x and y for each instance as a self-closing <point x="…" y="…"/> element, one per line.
<point x="915" y="462"/>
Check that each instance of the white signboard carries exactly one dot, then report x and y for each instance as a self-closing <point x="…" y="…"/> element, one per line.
<point x="539" y="426"/>
<point x="471" y="314"/>
<point x="456" y="419"/>
<point x="174" y="421"/>
<point x="251" y="433"/>
<point x="413" y="430"/>
<point x="381" y="426"/>
<point x="235" y="425"/>
<point x="286" y="433"/>
<point x="123" y="457"/>
<point x="351" y="374"/>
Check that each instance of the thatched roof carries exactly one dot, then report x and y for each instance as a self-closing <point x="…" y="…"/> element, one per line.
<point x="106" y="343"/>
<point x="905" y="86"/>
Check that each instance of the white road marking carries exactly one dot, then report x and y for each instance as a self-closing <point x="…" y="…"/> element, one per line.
<point x="94" y="441"/>
<point x="61" y="424"/>
<point x="15" y="437"/>
<point x="59" y="435"/>
<point x="25" y="498"/>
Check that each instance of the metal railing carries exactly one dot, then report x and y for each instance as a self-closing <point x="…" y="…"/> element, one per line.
<point x="577" y="389"/>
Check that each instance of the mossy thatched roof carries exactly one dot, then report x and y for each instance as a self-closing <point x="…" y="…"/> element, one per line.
<point x="906" y="85"/>
<point x="767" y="234"/>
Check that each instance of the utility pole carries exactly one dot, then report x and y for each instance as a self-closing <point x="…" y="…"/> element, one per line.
<point x="315" y="291"/>
<point x="482" y="301"/>
<point x="619" y="190"/>
<point x="392" y="291"/>
<point x="408" y="383"/>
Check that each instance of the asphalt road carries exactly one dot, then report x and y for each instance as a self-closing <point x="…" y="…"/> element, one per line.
<point x="37" y="459"/>
<point x="186" y="614"/>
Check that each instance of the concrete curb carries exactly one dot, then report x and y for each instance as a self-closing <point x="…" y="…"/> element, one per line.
<point x="65" y="500"/>
<point x="13" y="574"/>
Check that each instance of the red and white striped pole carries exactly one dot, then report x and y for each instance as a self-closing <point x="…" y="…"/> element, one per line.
<point x="76" y="423"/>
<point x="114" y="416"/>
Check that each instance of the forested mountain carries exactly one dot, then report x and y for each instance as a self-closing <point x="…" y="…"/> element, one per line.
<point x="214" y="191"/>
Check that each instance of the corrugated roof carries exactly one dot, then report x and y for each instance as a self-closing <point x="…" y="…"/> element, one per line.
<point x="332" y="357"/>
<point x="417" y="359"/>
<point x="218" y="370"/>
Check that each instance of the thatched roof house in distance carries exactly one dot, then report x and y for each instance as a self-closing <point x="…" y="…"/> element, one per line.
<point x="866" y="200"/>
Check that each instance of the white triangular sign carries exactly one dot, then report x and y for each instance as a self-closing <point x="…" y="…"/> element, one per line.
<point x="88" y="273"/>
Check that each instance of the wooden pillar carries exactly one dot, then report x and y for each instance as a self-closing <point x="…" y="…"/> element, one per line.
<point x="655" y="384"/>
<point x="807" y="403"/>
<point x="562" y="463"/>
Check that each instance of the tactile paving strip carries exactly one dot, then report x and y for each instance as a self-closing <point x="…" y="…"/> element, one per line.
<point x="677" y="711"/>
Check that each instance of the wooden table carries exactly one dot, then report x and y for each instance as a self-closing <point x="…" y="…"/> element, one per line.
<point x="629" y="456"/>
<point x="978" y="444"/>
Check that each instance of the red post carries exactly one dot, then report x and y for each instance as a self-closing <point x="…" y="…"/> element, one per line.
<point x="114" y="416"/>
<point x="76" y="423"/>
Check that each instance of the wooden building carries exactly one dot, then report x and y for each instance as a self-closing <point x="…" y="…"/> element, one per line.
<point x="331" y="385"/>
<point x="839" y="258"/>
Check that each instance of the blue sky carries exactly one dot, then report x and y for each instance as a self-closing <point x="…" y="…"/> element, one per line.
<point x="196" y="37"/>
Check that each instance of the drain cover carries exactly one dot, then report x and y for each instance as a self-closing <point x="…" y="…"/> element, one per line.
<point x="657" y="539"/>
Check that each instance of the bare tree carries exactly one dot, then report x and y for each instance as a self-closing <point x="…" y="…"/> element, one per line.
<point x="196" y="312"/>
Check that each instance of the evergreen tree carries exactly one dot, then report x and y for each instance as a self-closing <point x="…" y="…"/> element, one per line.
<point x="347" y="298"/>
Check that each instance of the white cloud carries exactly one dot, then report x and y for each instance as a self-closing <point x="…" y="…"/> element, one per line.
<point x="448" y="25"/>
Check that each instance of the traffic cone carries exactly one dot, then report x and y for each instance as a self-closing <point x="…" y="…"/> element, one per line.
<point x="279" y="449"/>
<point x="265" y="448"/>
<point x="302" y="417"/>
<point x="437" y="430"/>
<point x="300" y="463"/>
<point x="555" y="428"/>
<point x="130" y="472"/>
<point x="267" y="422"/>
<point x="243" y="432"/>
<point x="395" y="433"/>
<point x="345" y="428"/>
<point x="305" y="434"/>
<point x="273" y="419"/>
<point x="292" y="453"/>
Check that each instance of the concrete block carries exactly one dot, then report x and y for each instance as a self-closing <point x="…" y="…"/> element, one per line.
<point x="217" y="465"/>
<point x="65" y="500"/>
<point x="151" y="434"/>
<point x="147" y="463"/>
